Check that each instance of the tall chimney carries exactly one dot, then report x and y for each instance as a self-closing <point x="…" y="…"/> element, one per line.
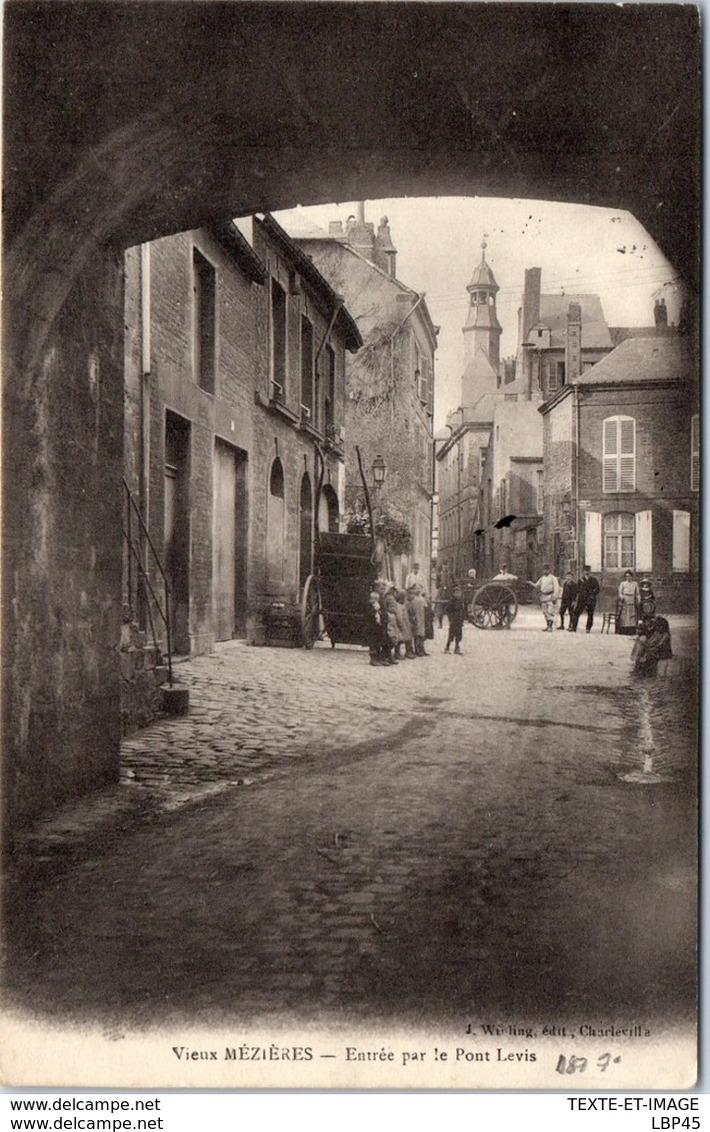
<point x="361" y="235"/>
<point x="660" y="313"/>
<point x="531" y="300"/>
<point x="573" y="345"/>
<point x="385" y="253"/>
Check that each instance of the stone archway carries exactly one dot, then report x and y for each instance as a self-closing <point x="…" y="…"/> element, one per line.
<point x="127" y="121"/>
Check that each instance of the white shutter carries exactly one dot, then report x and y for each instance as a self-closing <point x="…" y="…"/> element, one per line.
<point x="627" y="454"/>
<point x="610" y="454"/>
<point x="681" y="540"/>
<point x="593" y="541"/>
<point x="619" y="455"/>
<point x="644" y="541"/>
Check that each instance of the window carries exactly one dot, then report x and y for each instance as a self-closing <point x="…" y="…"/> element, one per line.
<point x="556" y="376"/>
<point x="307" y="413"/>
<point x="204" y="289"/>
<point x="423" y="390"/>
<point x="503" y="498"/>
<point x="278" y="341"/>
<point x="619" y="454"/>
<point x="695" y="453"/>
<point x="275" y="524"/>
<point x="619" y="541"/>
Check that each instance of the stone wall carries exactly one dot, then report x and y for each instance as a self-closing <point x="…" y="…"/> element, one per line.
<point x="62" y="566"/>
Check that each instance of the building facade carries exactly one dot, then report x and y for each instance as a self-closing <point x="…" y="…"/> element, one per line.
<point x="389" y="382"/>
<point x="622" y="468"/>
<point x="234" y="396"/>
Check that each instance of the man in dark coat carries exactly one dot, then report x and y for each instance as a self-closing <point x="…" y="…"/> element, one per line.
<point x="587" y="594"/>
<point x="570" y="586"/>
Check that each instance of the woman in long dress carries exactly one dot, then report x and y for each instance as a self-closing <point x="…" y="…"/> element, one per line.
<point x="627" y="609"/>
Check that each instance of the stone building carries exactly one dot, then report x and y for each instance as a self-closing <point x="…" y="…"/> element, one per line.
<point x="510" y="500"/>
<point x="462" y="456"/>
<point x="234" y="403"/>
<point x="621" y="450"/>
<point x="389" y="382"/>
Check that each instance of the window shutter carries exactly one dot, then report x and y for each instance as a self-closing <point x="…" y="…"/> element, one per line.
<point x="619" y="455"/>
<point x="610" y="452"/>
<point x="644" y="541"/>
<point x="681" y="541"/>
<point x="593" y="540"/>
<point x="695" y="453"/>
<point x="627" y="454"/>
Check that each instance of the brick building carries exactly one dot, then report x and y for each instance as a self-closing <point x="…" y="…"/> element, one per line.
<point x="390" y="381"/>
<point x="234" y="399"/>
<point x="621" y="450"/>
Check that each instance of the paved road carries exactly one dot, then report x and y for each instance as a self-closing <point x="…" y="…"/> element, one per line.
<point x="364" y="844"/>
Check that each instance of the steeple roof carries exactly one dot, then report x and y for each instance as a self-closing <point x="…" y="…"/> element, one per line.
<point x="482" y="275"/>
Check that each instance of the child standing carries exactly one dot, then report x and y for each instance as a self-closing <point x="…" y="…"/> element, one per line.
<point x="456" y="612"/>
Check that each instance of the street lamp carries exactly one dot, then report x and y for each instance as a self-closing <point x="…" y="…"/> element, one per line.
<point x="379" y="471"/>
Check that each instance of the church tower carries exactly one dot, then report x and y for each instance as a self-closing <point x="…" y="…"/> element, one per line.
<point x="481" y="335"/>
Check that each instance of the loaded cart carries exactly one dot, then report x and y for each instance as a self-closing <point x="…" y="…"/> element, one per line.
<point x="335" y="596"/>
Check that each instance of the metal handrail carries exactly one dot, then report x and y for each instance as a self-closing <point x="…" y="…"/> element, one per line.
<point x="145" y="579"/>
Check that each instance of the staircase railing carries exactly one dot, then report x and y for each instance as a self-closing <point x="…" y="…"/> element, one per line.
<point x="139" y="583"/>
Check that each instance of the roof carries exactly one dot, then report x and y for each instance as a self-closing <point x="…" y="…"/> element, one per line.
<point x="300" y="226"/>
<point x="306" y="243"/>
<point x="228" y="235"/>
<point x="482" y="275"/>
<point x="479" y="366"/>
<point x="642" y="360"/>
<point x="344" y="320"/>
<point x="553" y="314"/>
<point x="619" y="334"/>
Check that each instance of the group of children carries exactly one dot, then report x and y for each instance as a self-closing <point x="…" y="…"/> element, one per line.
<point x="398" y="622"/>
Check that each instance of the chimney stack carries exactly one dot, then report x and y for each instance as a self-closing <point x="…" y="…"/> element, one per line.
<point x="573" y="345"/>
<point x="359" y="234"/>
<point x="385" y="253"/>
<point x="660" y="314"/>
<point x="531" y="300"/>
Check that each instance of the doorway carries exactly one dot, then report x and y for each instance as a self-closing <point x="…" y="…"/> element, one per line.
<point x="229" y="542"/>
<point x="176" y="534"/>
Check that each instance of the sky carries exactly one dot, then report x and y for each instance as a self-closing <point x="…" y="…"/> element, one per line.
<point x="580" y="249"/>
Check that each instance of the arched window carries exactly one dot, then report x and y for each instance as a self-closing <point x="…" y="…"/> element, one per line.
<point x="619" y="455"/>
<point x="619" y="541"/>
<point x="329" y="510"/>
<point x="275" y="523"/>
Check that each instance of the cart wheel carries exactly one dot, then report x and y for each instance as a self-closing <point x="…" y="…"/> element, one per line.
<point x="310" y="612"/>
<point x="494" y="606"/>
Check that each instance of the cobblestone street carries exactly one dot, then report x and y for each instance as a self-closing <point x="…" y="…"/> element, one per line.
<point x="415" y="844"/>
